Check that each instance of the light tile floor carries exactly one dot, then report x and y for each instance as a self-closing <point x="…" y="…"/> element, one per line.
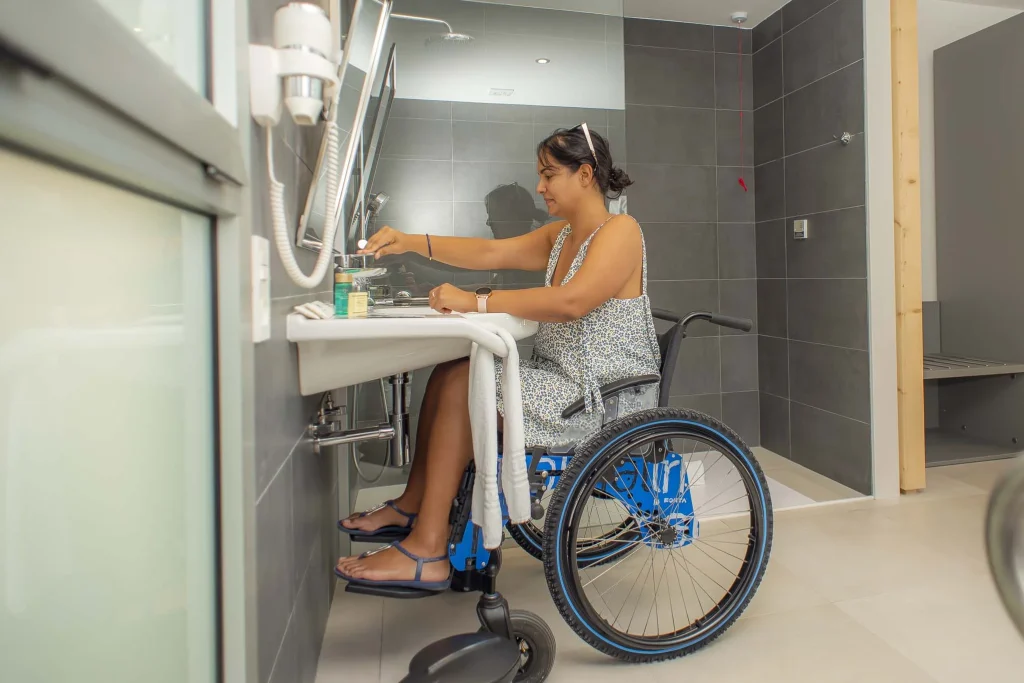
<point x="862" y="591"/>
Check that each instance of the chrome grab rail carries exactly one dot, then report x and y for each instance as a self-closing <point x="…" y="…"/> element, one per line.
<point x="1004" y="541"/>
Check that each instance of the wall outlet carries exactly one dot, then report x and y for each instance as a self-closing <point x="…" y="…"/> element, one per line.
<point x="260" y="289"/>
<point x="800" y="229"/>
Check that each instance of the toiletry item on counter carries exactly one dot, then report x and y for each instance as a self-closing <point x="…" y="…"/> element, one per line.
<point x="342" y="289"/>
<point x="358" y="299"/>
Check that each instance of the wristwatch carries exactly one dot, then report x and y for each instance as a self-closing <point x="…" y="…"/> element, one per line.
<point x="482" y="295"/>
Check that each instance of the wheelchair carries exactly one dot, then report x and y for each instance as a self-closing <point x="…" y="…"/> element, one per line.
<point x="651" y="549"/>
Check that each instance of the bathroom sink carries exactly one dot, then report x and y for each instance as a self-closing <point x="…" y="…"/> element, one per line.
<point x="343" y="352"/>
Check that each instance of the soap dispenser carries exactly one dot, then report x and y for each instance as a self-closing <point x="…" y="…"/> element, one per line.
<point x="342" y="289"/>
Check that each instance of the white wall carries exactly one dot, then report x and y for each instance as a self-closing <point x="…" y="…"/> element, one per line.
<point x="940" y="23"/>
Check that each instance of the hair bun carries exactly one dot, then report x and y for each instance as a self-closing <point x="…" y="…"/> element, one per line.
<point x="617" y="182"/>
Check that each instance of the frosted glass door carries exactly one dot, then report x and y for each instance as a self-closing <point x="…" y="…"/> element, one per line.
<point x="108" y="560"/>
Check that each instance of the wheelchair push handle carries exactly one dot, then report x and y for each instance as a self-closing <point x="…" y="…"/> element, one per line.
<point x="741" y="324"/>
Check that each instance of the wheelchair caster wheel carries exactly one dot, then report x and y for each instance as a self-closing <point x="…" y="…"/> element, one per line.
<point x="536" y="646"/>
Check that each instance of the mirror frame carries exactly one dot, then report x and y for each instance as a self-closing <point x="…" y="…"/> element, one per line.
<point x="383" y="115"/>
<point x="305" y="238"/>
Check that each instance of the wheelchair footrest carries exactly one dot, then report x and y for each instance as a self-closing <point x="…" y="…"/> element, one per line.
<point x="390" y="591"/>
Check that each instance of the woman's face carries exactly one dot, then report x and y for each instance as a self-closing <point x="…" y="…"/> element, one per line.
<point x="561" y="188"/>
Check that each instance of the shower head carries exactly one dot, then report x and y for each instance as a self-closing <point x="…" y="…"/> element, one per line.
<point x="377" y="202"/>
<point x="450" y="37"/>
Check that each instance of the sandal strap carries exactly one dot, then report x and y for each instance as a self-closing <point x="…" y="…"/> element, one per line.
<point x="420" y="561"/>
<point x="410" y="516"/>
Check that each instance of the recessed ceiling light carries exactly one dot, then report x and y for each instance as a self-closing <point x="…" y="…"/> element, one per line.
<point x="543" y="60"/>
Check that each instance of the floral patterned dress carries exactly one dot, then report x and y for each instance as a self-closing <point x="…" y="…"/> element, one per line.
<point x="574" y="359"/>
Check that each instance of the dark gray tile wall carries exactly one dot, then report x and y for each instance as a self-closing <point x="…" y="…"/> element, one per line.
<point x="690" y="138"/>
<point x="297" y="491"/>
<point x="812" y="294"/>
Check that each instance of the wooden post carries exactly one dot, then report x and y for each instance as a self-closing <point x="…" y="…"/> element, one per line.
<point x="906" y="177"/>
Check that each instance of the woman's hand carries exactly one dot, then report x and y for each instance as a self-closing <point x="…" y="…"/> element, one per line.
<point x="387" y="241"/>
<point x="450" y="299"/>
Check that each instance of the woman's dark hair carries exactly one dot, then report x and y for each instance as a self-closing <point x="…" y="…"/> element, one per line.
<point x="568" y="147"/>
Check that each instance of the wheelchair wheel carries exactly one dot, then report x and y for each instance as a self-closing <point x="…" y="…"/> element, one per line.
<point x="704" y="520"/>
<point x="609" y="542"/>
<point x="536" y="646"/>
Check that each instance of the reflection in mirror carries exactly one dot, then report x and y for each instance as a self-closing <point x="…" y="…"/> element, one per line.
<point x="458" y="158"/>
<point x="366" y="56"/>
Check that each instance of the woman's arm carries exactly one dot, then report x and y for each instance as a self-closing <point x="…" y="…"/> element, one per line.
<point x="527" y="252"/>
<point x="612" y="260"/>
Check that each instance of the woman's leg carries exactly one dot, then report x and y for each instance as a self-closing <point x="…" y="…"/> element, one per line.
<point x="450" y="446"/>
<point x="412" y="497"/>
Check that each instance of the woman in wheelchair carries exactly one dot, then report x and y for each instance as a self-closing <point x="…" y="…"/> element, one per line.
<point x="596" y="327"/>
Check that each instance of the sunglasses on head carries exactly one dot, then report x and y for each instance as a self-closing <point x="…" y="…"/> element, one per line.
<point x="590" y="141"/>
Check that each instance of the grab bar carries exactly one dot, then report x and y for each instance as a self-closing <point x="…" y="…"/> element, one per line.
<point x="1004" y="541"/>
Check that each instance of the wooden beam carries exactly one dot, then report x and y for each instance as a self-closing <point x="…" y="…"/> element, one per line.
<point x="907" y="189"/>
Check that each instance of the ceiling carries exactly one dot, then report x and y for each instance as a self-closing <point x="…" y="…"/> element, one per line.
<point x="692" y="11"/>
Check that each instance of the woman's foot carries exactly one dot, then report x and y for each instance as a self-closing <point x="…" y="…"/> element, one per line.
<point x="391" y="514"/>
<point x="391" y="564"/>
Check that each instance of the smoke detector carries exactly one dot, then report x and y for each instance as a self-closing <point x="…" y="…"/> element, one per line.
<point x="738" y="18"/>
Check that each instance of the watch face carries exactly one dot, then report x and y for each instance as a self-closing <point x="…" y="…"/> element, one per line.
<point x="483" y="291"/>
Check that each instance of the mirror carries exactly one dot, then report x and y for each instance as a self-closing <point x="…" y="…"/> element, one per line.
<point x="365" y="209"/>
<point x="367" y="22"/>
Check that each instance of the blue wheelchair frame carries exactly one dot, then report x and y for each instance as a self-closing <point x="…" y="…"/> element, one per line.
<point x="657" y="495"/>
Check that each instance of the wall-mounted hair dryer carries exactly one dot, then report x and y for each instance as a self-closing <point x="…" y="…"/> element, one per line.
<point x="300" y="72"/>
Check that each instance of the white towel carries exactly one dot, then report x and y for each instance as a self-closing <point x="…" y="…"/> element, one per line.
<point x="483" y="417"/>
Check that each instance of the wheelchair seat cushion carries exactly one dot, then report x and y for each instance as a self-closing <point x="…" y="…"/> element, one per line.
<point x="572" y="360"/>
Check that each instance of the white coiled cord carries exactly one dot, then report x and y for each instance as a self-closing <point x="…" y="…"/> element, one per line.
<point x="277" y="213"/>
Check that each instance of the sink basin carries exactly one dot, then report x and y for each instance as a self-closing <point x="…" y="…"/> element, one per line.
<point x="343" y="352"/>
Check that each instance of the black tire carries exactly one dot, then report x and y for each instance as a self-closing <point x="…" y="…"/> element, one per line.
<point x="537" y="643"/>
<point x="591" y="459"/>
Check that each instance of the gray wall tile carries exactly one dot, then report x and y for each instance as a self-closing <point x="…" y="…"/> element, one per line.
<point x="671" y="194"/>
<point x="681" y="251"/>
<point x="826" y="178"/>
<point x="679" y="78"/>
<point x="567" y="117"/>
<point x="735" y="149"/>
<point x="312" y="486"/>
<point x="709" y="404"/>
<point x="767" y="31"/>
<point x="775" y="424"/>
<point x="736" y="205"/>
<point x="835" y="446"/>
<point x="737" y="251"/>
<point x="685" y="297"/>
<point x="420" y="109"/>
<point x="832" y="39"/>
<point x="739" y="363"/>
<point x="474" y="180"/>
<point x="673" y="34"/>
<point x="417" y="139"/>
<point x="738" y="298"/>
<point x="420" y="180"/>
<point x="733" y="40"/>
<point x="798" y="11"/>
<point x="822" y="110"/>
<point x="419" y="218"/>
<point x="769" y="132"/>
<point x="836" y="246"/>
<point x="771" y="308"/>
<point x="670" y="135"/>
<point x="471" y="220"/>
<point x="699" y="367"/>
<point x="275" y="585"/>
<point x="285" y="666"/>
<point x="771" y="249"/>
<point x="741" y="411"/>
<point x="773" y="365"/>
<point x="767" y="69"/>
<point x="770" y="202"/>
<point x="831" y="378"/>
<point x="829" y="312"/>
<point x="487" y="141"/>
<point x="730" y="70"/>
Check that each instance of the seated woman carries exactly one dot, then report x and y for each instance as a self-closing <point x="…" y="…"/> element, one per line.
<point x="596" y="327"/>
